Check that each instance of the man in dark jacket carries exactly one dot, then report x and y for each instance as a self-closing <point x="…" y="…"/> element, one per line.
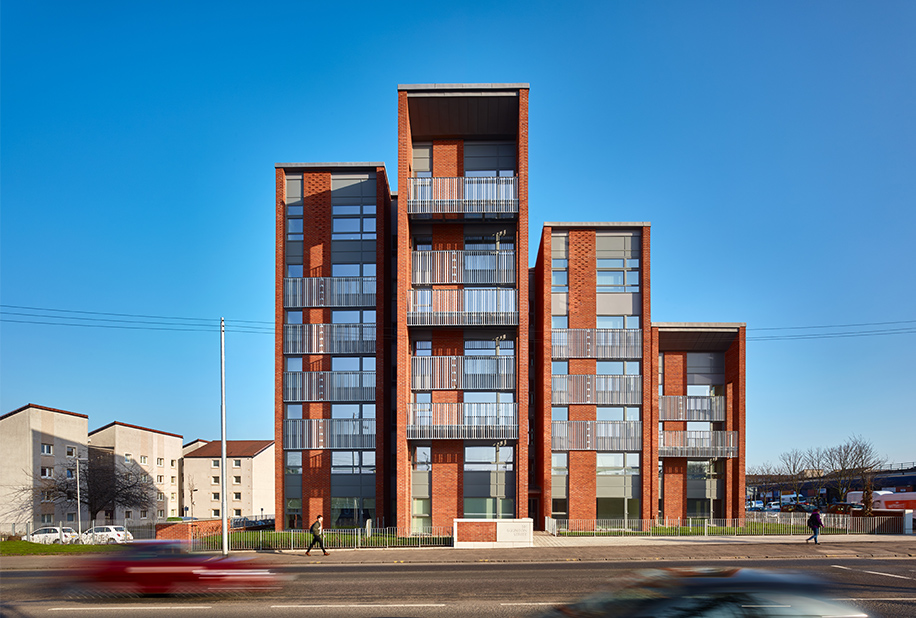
<point x="815" y="523"/>
<point x="317" y="536"/>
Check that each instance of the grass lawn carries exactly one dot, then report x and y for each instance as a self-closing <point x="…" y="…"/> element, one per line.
<point x="24" y="548"/>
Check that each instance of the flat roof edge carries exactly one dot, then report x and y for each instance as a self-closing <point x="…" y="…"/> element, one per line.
<point x="490" y="86"/>
<point x="597" y="224"/>
<point x="707" y="326"/>
<point x="345" y="165"/>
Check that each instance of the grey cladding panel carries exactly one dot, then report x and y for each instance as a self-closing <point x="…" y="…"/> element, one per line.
<point x="612" y="303"/>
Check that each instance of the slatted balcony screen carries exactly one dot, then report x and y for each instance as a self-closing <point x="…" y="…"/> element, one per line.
<point x="328" y="386"/>
<point x="467" y="307"/>
<point x="462" y="373"/>
<point x="596" y="436"/>
<point x="328" y="292"/>
<point x="462" y="421"/>
<point x="606" y="343"/>
<point x="468" y="267"/>
<point x="473" y="195"/>
<point x="596" y="389"/>
<point x="706" y="444"/>
<point x="327" y="433"/>
<point x="329" y="339"/>
<point x="691" y="408"/>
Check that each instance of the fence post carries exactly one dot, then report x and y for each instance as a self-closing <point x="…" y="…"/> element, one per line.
<point x="705" y="527"/>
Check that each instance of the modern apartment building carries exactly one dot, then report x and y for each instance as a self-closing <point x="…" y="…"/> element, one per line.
<point x="425" y="373"/>
<point x="250" y="480"/>
<point x="38" y="445"/>
<point x="157" y="453"/>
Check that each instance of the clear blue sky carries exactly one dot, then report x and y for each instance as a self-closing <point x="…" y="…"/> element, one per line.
<point x="772" y="145"/>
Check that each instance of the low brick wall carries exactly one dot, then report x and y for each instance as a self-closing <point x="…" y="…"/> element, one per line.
<point x="188" y="530"/>
<point x="492" y="533"/>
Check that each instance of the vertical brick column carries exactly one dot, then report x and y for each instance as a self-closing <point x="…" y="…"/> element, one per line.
<point x="649" y="497"/>
<point x="279" y="274"/>
<point x="735" y="421"/>
<point x="316" y="486"/>
<point x="583" y="485"/>
<point x="675" y="471"/>
<point x="402" y="506"/>
<point x="540" y="337"/>
<point x="521" y="235"/>
<point x="447" y="459"/>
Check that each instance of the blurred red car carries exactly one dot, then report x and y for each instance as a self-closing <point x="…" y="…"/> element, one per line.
<point x="166" y="567"/>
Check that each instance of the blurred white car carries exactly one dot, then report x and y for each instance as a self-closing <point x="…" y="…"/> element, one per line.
<point x="106" y="534"/>
<point x="53" y="534"/>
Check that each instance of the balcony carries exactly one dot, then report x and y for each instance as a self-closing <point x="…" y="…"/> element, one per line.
<point x="464" y="195"/>
<point x="596" y="436"/>
<point x="326" y="433"/>
<point x="462" y="373"/>
<point x="329" y="339"/>
<point x="328" y="386"/>
<point x="705" y="444"/>
<point x="688" y="408"/>
<point x="467" y="267"/>
<point x="468" y="307"/>
<point x="462" y="421"/>
<point x="328" y="292"/>
<point x="604" y="343"/>
<point x="598" y="389"/>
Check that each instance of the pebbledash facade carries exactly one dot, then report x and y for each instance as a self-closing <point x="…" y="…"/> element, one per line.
<point x="426" y="373"/>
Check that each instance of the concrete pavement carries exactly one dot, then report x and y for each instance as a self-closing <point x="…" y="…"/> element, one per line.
<point x="564" y="549"/>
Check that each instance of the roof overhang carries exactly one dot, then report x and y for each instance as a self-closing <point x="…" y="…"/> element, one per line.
<point x="365" y="165"/>
<point x="465" y="111"/>
<point x="696" y="336"/>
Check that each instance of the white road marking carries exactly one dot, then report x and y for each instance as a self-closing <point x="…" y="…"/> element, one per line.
<point x="357" y="605"/>
<point x="532" y="603"/>
<point x="127" y="608"/>
<point x="837" y="566"/>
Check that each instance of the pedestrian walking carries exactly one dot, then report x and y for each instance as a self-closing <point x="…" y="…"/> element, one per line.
<point x="815" y="523"/>
<point x="317" y="531"/>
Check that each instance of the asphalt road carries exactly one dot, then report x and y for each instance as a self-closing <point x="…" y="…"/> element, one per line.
<point x="883" y="587"/>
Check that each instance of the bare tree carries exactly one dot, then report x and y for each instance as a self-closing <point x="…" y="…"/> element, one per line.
<point x="765" y="477"/>
<point x="818" y="461"/>
<point x="105" y="483"/>
<point x="867" y="463"/>
<point x="792" y="466"/>
<point x="843" y="474"/>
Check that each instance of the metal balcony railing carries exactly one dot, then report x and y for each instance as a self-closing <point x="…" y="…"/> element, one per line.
<point x="596" y="343"/>
<point x="329" y="339"/>
<point x="690" y="408"/>
<point x="698" y="444"/>
<point x="472" y="195"/>
<point x="469" y="267"/>
<point x="462" y="421"/>
<point x="462" y="373"/>
<point x="467" y="307"/>
<point x="328" y="292"/>
<point x="327" y="433"/>
<point x="596" y="436"/>
<point x="328" y="386"/>
<point x="598" y="389"/>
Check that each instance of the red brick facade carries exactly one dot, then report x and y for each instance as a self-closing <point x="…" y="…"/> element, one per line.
<point x="533" y="490"/>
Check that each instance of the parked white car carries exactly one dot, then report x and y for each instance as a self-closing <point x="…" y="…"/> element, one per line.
<point x="53" y="534"/>
<point x="106" y="534"/>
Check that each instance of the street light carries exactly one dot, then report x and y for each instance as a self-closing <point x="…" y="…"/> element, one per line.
<point x="79" y="503"/>
<point x="498" y="485"/>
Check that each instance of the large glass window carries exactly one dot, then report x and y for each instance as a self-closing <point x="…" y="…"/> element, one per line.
<point x="484" y="458"/>
<point x="618" y="275"/>
<point x="617" y="463"/>
<point x="353" y="462"/>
